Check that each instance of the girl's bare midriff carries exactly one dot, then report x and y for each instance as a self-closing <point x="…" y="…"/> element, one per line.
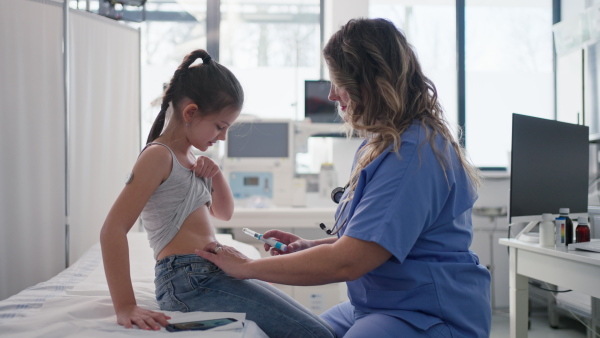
<point x="195" y="232"/>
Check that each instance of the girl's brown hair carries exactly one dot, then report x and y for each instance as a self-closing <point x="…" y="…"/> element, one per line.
<point x="374" y="63"/>
<point x="210" y="85"/>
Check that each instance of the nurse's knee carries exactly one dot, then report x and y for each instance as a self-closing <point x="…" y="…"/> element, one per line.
<point x="339" y="317"/>
<point x="383" y="326"/>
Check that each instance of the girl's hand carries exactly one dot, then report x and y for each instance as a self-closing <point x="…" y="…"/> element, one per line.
<point x="205" y="167"/>
<point x="231" y="261"/>
<point x="144" y="319"/>
<point x="293" y="242"/>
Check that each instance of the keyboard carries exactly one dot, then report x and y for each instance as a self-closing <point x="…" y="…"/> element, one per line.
<point x="593" y="246"/>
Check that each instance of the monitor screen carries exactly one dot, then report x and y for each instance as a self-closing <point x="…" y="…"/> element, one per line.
<point x="549" y="167"/>
<point x="317" y="106"/>
<point x="269" y="139"/>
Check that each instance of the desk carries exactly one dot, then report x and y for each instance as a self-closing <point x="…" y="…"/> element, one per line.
<point x="576" y="270"/>
<point x="276" y="218"/>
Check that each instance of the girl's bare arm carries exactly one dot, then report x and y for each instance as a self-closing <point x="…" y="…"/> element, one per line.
<point x="151" y="168"/>
<point x="222" y="198"/>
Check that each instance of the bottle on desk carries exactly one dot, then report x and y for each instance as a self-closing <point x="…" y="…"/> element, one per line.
<point x="560" y="225"/>
<point x="582" y="232"/>
<point x="547" y="231"/>
<point x="568" y="229"/>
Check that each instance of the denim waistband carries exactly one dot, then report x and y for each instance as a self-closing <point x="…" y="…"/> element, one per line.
<point x="177" y="261"/>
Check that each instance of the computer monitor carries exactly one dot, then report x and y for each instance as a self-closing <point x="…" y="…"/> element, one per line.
<point x="549" y="167"/>
<point x="317" y="106"/>
<point x="258" y="140"/>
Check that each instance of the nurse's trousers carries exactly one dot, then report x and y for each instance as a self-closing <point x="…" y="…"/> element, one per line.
<point x="349" y="323"/>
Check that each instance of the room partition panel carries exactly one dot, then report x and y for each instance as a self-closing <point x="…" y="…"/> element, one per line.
<point x="32" y="144"/>
<point x="62" y="164"/>
<point x="104" y="122"/>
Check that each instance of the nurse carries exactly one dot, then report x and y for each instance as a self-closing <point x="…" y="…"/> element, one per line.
<point x="403" y="227"/>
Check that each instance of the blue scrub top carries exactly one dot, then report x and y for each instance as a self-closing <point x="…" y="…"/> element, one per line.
<point x="422" y="217"/>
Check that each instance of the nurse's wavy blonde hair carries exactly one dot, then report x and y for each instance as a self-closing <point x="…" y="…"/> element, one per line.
<point x="373" y="62"/>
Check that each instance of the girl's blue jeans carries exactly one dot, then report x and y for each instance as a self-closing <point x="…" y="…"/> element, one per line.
<point x="191" y="283"/>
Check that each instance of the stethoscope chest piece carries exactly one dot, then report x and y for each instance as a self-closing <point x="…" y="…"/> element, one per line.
<point x="337" y="193"/>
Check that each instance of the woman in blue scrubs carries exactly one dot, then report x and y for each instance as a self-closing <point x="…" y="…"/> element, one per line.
<point x="403" y="226"/>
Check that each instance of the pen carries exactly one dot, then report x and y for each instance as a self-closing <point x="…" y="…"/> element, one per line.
<point x="272" y="242"/>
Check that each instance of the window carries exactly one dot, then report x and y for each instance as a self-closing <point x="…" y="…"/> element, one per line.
<point x="508" y="70"/>
<point x="169" y="33"/>
<point x="430" y="27"/>
<point x="272" y="47"/>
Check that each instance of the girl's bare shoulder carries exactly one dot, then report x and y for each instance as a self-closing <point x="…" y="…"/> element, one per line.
<point x="155" y="160"/>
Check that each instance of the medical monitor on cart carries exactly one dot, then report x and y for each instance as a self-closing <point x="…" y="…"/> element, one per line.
<point x="259" y="140"/>
<point x="260" y="160"/>
<point x="549" y="168"/>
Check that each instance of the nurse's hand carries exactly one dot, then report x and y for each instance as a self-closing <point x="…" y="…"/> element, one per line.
<point x="293" y="242"/>
<point x="231" y="261"/>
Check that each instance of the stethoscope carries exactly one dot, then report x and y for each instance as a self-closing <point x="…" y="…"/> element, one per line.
<point x="336" y="196"/>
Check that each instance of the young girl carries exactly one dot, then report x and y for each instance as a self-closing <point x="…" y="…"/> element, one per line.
<point x="176" y="195"/>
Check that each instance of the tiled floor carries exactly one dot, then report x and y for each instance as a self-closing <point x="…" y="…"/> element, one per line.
<point x="569" y="328"/>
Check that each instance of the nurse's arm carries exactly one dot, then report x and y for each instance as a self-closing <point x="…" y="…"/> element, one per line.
<point x="345" y="260"/>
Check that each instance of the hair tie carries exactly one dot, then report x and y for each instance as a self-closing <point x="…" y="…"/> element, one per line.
<point x="206" y="59"/>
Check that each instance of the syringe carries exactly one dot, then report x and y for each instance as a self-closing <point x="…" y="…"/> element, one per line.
<point x="271" y="241"/>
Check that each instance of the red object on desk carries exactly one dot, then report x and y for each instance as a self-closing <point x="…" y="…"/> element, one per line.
<point x="582" y="233"/>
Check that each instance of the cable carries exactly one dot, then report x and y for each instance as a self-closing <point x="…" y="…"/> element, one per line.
<point x="549" y="290"/>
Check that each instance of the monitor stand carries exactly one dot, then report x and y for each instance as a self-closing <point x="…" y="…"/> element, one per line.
<point x="525" y="236"/>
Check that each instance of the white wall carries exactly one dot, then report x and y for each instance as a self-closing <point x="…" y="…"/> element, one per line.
<point x="486" y="232"/>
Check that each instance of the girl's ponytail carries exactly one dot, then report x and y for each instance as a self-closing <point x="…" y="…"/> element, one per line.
<point x="159" y="122"/>
<point x="210" y="85"/>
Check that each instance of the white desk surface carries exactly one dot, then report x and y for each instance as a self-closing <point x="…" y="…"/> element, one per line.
<point x="278" y="218"/>
<point x="572" y="269"/>
<point x="587" y="257"/>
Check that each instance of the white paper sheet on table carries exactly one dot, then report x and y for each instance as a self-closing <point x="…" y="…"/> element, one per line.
<point x="93" y="316"/>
